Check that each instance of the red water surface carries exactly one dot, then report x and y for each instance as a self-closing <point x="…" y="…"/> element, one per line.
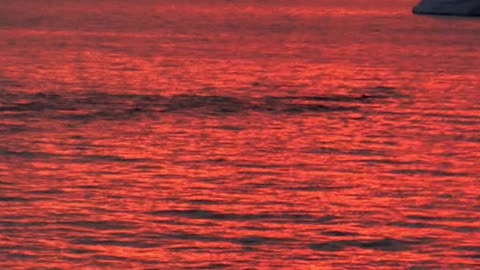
<point x="237" y="135"/>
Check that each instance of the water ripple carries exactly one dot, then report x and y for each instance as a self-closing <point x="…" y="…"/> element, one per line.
<point x="211" y="215"/>
<point x="385" y="244"/>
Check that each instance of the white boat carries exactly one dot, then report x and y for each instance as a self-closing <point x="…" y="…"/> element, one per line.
<point x="449" y="7"/>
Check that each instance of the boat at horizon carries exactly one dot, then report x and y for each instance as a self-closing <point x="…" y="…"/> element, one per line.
<point x="469" y="8"/>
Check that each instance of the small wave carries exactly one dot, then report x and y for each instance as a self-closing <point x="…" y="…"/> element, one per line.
<point x="106" y="158"/>
<point x="26" y="154"/>
<point x="352" y="152"/>
<point x="10" y="83"/>
<point x="50" y="191"/>
<point x="12" y="129"/>
<point x="88" y="241"/>
<point x="76" y="159"/>
<point x="10" y="199"/>
<point x="469" y="248"/>
<point x="267" y="217"/>
<point x="339" y="233"/>
<point x="439" y="226"/>
<point x="385" y="244"/>
<point x="257" y="240"/>
<point x="22" y="224"/>
<point x="80" y="251"/>
<point x="430" y="173"/>
<point x="99" y="225"/>
<point x="245" y="241"/>
<point x="19" y="256"/>
<point x="213" y="266"/>
<point x="189" y="237"/>
<point x="440" y="218"/>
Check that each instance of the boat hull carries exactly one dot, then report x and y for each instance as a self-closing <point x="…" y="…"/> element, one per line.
<point x="448" y="7"/>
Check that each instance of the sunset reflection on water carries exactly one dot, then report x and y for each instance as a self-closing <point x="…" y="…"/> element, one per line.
<point x="327" y="135"/>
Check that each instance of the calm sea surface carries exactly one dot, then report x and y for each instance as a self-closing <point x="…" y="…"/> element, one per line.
<point x="238" y="135"/>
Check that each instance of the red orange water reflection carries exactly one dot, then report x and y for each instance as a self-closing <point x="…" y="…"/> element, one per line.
<point x="214" y="140"/>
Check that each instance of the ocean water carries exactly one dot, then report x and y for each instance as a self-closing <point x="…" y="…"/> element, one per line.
<point x="329" y="134"/>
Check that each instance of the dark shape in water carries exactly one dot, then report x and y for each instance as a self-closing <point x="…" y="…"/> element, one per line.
<point x="448" y="7"/>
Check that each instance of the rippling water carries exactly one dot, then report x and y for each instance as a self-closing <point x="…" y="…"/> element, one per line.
<point x="238" y="135"/>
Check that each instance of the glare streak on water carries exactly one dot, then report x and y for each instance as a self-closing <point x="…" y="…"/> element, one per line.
<point x="273" y="135"/>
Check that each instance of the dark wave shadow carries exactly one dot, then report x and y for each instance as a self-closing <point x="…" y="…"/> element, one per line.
<point x="385" y="244"/>
<point x="267" y="217"/>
